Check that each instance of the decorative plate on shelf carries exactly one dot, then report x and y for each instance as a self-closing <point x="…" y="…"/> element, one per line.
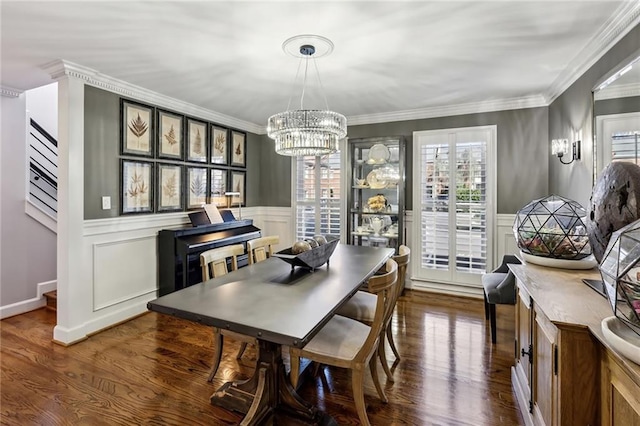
<point x="379" y="154"/>
<point x="375" y="181"/>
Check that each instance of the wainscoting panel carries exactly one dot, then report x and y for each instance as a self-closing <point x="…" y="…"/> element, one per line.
<point x="505" y="239"/>
<point x="123" y="270"/>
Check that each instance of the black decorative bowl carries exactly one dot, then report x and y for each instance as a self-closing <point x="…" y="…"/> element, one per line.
<point x="310" y="259"/>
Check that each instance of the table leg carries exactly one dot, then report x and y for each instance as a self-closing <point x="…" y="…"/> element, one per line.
<point x="268" y="394"/>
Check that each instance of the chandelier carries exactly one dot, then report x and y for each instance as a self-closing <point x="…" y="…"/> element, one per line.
<point x="307" y="131"/>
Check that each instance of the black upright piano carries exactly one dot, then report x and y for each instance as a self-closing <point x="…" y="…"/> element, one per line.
<point x="179" y="250"/>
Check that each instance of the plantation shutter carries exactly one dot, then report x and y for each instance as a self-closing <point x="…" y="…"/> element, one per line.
<point x="626" y="147"/>
<point x="317" y="196"/>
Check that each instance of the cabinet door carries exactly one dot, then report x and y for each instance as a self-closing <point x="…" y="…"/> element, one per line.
<point x="544" y="364"/>
<point x="523" y="347"/>
<point x="620" y="405"/>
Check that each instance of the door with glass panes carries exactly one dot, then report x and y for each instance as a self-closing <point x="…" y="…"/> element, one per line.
<point x="453" y="203"/>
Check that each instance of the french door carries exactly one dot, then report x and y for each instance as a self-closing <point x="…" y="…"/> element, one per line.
<point x="316" y="194"/>
<point x="453" y="203"/>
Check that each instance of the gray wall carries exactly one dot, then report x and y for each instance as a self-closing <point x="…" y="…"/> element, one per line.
<point x="521" y="146"/>
<point x="102" y="161"/>
<point x="27" y="248"/>
<point x="571" y="116"/>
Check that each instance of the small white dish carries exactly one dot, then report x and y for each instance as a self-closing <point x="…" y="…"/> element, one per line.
<point x="621" y="338"/>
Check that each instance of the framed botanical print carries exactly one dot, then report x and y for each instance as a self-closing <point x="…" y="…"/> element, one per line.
<point x="219" y="145"/>
<point x="196" y="187"/>
<point x="238" y="185"/>
<point x="218" y="182"/>
<point x="169" y="188"/>
<point x="136" y="194"/>
<point x="136" y="128"/>
<point x="170" y="135"/>
<point x="238" y="149"/>
<point x="196" y="141"/>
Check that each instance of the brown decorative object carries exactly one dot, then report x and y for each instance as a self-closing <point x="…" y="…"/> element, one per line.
<point x="615" y="202"/>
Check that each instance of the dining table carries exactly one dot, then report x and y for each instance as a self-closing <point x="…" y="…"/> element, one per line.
<point x="279" y="305"/>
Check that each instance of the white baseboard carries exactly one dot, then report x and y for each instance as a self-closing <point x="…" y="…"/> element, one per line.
<point x="29" y="304"/>
<point x="69" y="336"/>
<point x="448" y="288"/>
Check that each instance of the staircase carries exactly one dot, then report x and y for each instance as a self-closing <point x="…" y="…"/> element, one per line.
<point x="43" y="169"/>
<point x="52" y="300"/>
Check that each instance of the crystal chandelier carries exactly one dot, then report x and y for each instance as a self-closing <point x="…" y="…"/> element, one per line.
<point x="307" y="131"/>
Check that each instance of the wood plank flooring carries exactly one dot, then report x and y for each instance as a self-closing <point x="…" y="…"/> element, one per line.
<point x="152" y="370"/>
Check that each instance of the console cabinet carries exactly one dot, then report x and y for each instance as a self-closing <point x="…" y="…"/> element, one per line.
<point x="564" y="372"/>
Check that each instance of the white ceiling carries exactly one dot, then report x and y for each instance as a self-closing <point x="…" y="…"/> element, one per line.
<point x="389" y="56"/>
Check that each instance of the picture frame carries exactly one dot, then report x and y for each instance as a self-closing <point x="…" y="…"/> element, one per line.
<point x="169" y="187"/>
<point x="238" y="149"/>
<point x="219" y="147"/>
<point x="237" y="183"/>
<point x="197" y="140"/>
<point x="196" y="187"/>
<point x="136" y="128"/>
<point x="136" y="187"/>
<point x="218" y="179"/>
<point x="170" y="137"/>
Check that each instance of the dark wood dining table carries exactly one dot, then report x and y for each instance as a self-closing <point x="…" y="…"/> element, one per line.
<point x="278" y="305"/>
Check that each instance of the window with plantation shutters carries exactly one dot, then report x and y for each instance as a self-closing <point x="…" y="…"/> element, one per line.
<point x="453" y="203"/>
<point x="625" y="146"/>
<point x="317" y="196"/>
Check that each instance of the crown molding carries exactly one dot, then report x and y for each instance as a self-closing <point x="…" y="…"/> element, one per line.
<point x="624" y="20"/>
<point x="61" y="68"/>
<point x="10" y="92"/>
<point x="449" y="110"/>
<point x="618" y="91"/>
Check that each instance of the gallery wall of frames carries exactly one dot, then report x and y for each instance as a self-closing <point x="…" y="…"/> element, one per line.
<point x="172" y="162"/>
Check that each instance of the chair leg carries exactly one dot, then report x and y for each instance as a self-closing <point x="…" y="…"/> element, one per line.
<point x="492" y="314"/>
<point x="392" y="343"/>
<point x="383" y="358"/>
<point x="294" y="373"/>
<point x="218" y="342"/>
<point x="374" y="373"/>
<point x="486" y="306"/>
<point x="243" y="347"/>
<point x="357" y="383"/>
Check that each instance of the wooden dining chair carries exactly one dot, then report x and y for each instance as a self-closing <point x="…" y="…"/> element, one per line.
<point x="260" y="249"/>
<point x="347" y="343"/>
<point x="214" y="264"/>
<point x="362" y="307"/>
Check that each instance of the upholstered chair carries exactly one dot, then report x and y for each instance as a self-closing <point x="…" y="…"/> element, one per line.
<point x="499" y="288"/>
<point x="347" y="343"/>
<point x="362" y="306"/>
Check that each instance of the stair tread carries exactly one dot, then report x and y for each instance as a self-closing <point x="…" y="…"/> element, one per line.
<point x="51" y="294"/>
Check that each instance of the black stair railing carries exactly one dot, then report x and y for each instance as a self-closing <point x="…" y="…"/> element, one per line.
<point x="43" y="169"/>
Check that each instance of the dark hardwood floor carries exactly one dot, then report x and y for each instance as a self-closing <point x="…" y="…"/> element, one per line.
<point x="152" y="370"/>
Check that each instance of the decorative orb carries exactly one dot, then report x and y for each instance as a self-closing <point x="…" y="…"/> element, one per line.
<point x="313" y="243"/>
<point x="320" y="239"/>
<point x="552" y="227"/>
<point x="615" y="202"/>
<point x="300" y="247"/>
<point x="620" y="271"/>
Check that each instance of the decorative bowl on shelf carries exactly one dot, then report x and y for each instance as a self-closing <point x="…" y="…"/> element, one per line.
<point x="310" y="259"/>
<point x="552" y="228"/>
<point x="620" y="271"/>
<point x="375" y="180"/>
<point x="378" y="154"/>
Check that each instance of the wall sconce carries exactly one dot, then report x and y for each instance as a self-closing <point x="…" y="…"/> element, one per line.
<point x="560" y="148"/>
